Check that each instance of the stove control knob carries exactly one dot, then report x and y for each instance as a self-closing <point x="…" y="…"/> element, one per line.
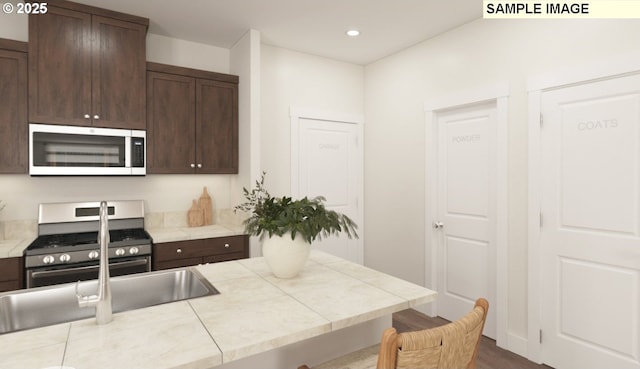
<point x="120" y="252"/>
<point x="65" y="258"/>
<point x="134" y="250"/>
<point x="48" y="259"/>
<point x="94" y="255"/>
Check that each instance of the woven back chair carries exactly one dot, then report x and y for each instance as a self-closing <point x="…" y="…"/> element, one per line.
<point x="454" y="345"/>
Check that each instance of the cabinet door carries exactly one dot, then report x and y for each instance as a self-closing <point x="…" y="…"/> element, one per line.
<point x="60" y="67"/>
<point x="11" y="274"/>
<point x="118" y="75"/>
<point x="170" y="123"/>
<point x="13" y="112"/>
<point x="216" y="127"/>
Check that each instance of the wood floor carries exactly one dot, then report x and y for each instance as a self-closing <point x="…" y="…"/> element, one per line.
<point x="489" y="355"/>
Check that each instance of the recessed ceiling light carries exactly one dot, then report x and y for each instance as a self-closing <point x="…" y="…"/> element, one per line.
<point x="353" y="32"/>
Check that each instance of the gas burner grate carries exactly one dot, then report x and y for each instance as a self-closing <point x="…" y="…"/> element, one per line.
<point x="89" y="239"/>
<point x="131" y="234"/>
<point x="63" y="240"/>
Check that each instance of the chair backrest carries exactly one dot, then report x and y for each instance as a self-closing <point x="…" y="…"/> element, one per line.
<point x="454" y="345"/>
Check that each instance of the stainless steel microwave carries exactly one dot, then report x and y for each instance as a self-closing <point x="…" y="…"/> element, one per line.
<point x="75" y="150"/>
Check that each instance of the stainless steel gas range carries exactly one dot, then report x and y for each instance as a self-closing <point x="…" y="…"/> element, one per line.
<point x="67" y="249"/>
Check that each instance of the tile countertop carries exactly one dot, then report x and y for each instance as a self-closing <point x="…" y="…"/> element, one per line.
<point x="255" y="312"/>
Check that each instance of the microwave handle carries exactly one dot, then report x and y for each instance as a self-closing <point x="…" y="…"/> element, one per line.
<point x="127" y="152"/>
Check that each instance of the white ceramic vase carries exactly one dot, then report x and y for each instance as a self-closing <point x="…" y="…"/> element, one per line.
<point x="286" y="257"/>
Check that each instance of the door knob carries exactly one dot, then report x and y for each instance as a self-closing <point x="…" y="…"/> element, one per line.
<point x="438" y="225"/>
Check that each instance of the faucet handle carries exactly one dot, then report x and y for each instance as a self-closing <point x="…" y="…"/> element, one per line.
<point x="86" y="301"/>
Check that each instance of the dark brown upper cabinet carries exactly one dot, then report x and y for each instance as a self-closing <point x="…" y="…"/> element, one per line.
<point x="13" y="107"/>
<point x="192" y="121"/>
<point x="87" y="66"/>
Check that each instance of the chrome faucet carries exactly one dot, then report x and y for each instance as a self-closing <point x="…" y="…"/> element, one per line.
<point x="101" y="301"/>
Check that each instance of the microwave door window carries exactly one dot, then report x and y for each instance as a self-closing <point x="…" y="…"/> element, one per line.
<point x="72" y="150"/>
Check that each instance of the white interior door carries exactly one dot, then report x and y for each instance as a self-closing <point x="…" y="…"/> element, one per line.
<point x="466" y="211"/>
<point x="330" y="165"/>
<point x="590" y="241"/>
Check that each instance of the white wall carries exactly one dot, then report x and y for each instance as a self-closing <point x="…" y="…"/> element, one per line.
<point x="22" y="193"/>
<point x="173" y="51"/>
<point x="14" y="26"/>
<point x="483" y="52"/>
<point x="245" y="63"/>
<point x="290" y="78"/>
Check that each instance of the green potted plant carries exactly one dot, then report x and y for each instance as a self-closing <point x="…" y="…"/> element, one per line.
<point x="287" y="227"/>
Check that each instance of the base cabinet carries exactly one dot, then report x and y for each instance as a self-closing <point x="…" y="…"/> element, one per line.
<point x="193" y="252"/>
<point x="11" y="271"/>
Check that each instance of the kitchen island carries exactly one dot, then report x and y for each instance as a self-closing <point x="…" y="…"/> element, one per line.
<point x="332" y="307"/>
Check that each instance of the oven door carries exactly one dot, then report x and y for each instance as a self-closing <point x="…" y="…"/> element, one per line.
<point x="39" y="277"/>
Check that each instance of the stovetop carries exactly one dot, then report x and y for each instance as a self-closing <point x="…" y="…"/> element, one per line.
<point x="55" y="243"/>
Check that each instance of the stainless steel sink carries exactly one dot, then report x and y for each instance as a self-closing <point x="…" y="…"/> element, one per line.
<point x="39" y="307"/>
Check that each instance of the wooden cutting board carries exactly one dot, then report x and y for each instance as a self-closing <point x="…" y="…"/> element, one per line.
<point x="195" y="215"/>
<point x="206" y="204"/>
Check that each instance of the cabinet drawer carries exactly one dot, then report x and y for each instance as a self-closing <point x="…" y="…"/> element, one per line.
<point x="10" y="269"/>
<point x="177" y="250"/>
<point x="224" y="245"/>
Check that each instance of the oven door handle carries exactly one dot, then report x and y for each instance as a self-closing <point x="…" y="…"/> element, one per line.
<point x="61" y="272"/>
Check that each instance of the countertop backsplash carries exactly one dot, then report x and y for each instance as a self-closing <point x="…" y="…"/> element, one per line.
<point x="15" y="236"/>
<point x="18" y="229"/>
<point x="28" y="229"/>
<point x="230" y="217"/>
<point x="178" y="219"/>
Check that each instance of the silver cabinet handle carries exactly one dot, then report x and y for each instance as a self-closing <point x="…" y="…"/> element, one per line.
<point x="96" y="116"/>
<point x="438" y="225"/>
<point x="199" y="165"/>
<point x="193" y="165"/>
<point x="226" y="246"/>
<point x="179" y="251"/>
<point x="87" y="116"/>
